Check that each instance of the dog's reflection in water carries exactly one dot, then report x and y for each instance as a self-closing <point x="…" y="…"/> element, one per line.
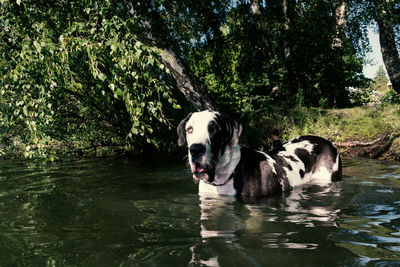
<point x="232" y="228"/>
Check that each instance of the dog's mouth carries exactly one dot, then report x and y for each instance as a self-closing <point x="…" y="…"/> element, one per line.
<point x="199" y="172"/>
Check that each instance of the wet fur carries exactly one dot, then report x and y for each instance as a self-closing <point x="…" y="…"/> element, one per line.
<point x="232" y="170"/>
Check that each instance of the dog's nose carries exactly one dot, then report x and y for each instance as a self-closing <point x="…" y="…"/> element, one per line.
<point x="197" y="149"/>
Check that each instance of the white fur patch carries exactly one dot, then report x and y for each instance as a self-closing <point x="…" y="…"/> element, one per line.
<point x="319" y="174"/>
<point x="227" y="189"/>
<point x="223" y="171"/>
<point x="198" y="122"/>
<point x="197" y="133"/>
<point x="270" y="161"/>
<point x="322" y="175"/>
<point x="226" y="164"/>
<point x="297" y="165"/>
<point x="335" y="167"/>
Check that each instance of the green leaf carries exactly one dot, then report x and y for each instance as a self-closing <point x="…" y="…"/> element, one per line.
<point x="176" y="106"/>
<point x="102" y="76"/>
<point x="111" y="86"/>
<point x="119" y="92"/>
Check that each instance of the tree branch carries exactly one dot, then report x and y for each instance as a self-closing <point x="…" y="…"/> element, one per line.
<point x="186" y="81"/>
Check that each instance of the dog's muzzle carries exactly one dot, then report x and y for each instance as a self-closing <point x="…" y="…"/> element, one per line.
<point x="199" y="170"/>
<point x="197" y="150"/>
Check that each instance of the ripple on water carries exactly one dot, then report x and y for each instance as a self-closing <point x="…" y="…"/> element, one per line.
<point x="121" y="212"/>
<point x="370" y="226"/>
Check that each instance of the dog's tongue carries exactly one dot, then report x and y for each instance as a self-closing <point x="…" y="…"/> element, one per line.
<point x="197" y="168"/>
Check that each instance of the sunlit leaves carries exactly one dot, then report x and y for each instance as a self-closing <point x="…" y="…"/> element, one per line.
<point x="82" y="64"/>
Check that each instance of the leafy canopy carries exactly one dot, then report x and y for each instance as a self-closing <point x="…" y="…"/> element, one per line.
<point x="77" y="70"/>
<point x="88" y="73"/>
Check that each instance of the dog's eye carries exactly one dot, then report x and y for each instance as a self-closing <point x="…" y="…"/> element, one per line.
<point x="189" y="130"/>
<point x="213" y="129"/>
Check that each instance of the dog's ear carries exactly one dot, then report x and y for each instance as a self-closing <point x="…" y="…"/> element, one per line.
<point x="181" y="130"/>
<point x="232" y="128"/>
<point x="236" y="132"/>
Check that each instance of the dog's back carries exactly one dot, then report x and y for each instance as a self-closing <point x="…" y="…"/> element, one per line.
<point x="221" y="166"/>
<point x="307" y="158"/>
<point x="300" y="160"/>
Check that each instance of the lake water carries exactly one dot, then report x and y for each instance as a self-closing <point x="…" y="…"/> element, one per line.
<point x="146" y="212"/>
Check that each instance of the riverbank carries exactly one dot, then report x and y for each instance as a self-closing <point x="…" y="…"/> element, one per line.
<point x="368" y="131"/>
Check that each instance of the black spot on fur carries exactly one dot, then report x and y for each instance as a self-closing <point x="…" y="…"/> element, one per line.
<point x="249" y="175"/>
<point x="280" y="164"/>
<point x="306" y="158"/>
<point x="221" y="131"/>
<point x="337" y="175"/>
<point x="278" y="149"/>
<point x="227" y="125"/>
<point x="291" y="158"/>
<point x="301" y="174"/>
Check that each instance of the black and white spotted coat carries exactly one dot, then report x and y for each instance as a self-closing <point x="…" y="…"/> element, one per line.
<point x="226" y="168"/>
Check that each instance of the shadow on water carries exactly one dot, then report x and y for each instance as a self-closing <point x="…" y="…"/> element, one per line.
<point x="146" y="212"/>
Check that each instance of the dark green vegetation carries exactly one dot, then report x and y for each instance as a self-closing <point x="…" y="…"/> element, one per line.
<point x="78" y="76"/>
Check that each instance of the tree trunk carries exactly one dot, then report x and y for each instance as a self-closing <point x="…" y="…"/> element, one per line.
<point x="388" y="42"/>
<point x="341" y="13"/>
<point x="287" y="27"/>
<point x="262" y="30"/>
<point x="338" y="94"/>
<point x="288" y="9"/>
<point x="186" y="81"/>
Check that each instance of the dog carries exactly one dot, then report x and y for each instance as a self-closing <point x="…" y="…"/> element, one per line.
<point x="221" y="166"/>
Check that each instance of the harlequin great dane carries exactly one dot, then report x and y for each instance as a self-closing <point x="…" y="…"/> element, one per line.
<point x="221" y="166"/>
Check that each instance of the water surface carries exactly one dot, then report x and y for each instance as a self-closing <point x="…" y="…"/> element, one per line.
<point x="146" y="212"/>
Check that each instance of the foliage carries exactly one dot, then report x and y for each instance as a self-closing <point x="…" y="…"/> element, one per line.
<point x="360" y="123"/>
<point x="338" y="125"/>
<point x="391" y="97"/>
<point x="380" y="86"/>
<point x="362" y="14"/>
<point x="380" y="81"/>
<point x="239" y="74"/>
<point x="85" y="74"/>
<point x="77" y="71"/>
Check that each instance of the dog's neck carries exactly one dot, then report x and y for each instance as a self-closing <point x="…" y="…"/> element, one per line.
<point x="226" y="164"/>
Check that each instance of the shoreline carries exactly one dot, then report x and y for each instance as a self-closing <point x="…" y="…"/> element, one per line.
<point x="366" y="132"/>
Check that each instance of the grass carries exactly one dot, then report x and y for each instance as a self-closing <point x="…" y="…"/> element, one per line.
<point x="360" y="123"/>
<point x="338" y="125"/>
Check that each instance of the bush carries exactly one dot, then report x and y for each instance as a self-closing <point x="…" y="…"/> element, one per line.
<point x="391" y="97"/>
<point x="81" y="76"/>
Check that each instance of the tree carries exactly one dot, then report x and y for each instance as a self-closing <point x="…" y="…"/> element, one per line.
<point x="78" y="72"/>
<point x="92" y="73"/>
<point x="341" y="13"/>
<point x="380" y="81"/>
<point x="384" y="17"/>
<point x="338" y="45"/>
<point x="186" y="81"/>
<point x="390" y="54"/>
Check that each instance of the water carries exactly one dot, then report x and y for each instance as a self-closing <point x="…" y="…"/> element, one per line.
<point x="146" y="212"/>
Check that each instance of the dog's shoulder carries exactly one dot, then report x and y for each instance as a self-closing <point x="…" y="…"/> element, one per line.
<point x="255" y="174"/>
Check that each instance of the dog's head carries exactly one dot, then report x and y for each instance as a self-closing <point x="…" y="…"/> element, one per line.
<point x="208" y="134"/>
